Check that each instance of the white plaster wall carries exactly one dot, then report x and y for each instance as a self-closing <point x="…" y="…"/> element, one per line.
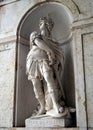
<point x="88" y="61"/>
<point x="7" y="72"/>
<point x="85" y="7"/>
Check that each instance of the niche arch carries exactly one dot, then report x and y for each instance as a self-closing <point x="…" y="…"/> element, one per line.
<point x="25" y="101"/>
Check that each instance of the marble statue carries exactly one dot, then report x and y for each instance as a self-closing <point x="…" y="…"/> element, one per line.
<point x="44" y="67"/>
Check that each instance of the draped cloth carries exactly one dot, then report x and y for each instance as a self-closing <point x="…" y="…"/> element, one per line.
<point x="58" y="67"/>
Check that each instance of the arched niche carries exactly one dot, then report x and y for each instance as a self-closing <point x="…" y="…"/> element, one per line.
<point x="25" y="99"/>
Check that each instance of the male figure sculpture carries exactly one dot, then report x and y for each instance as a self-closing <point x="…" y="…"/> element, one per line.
<point x="44" y="67"/>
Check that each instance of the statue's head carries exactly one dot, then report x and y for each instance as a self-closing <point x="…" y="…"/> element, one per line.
<point x="46" y="22"/>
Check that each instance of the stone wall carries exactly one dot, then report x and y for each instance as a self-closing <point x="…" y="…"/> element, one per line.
<point x="10" y="16"/>
<point x="7" y="77"/>
<point x="88" y="67"/>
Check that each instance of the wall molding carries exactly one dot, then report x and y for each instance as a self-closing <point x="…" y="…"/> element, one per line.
<point x="22" y="40"/>
<point x="82" y="23"/>
<point x="79" y="80"/>
<point x="6" y="2"/>
<point x="8" y="39"/>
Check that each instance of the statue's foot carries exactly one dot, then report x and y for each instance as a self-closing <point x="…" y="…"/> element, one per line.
<point x="54" y="113"/>
<point x="58" y="108"/>
<point x="41" y="111"/>
<point x="38" y="112"/>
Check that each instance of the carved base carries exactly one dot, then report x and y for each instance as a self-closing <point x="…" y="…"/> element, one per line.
<point x="48" y="122"/>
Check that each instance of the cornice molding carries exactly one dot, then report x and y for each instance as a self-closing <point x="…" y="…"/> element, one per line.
<point x="8" y="39"/>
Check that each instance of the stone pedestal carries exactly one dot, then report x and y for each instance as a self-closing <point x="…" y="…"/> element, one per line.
<point x="46" y="122"/>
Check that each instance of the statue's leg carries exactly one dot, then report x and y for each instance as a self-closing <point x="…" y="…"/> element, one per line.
<point x="39" y="95"/>
<point x="52" y="91"/>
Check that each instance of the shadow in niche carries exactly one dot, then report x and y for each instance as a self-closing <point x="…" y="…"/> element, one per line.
<point x="68" y="76"/>
<point x="68" y="80"/>
<point x="25" y="98"/>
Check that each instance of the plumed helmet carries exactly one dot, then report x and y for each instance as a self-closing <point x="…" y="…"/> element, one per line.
<point x="48" y="22"/>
